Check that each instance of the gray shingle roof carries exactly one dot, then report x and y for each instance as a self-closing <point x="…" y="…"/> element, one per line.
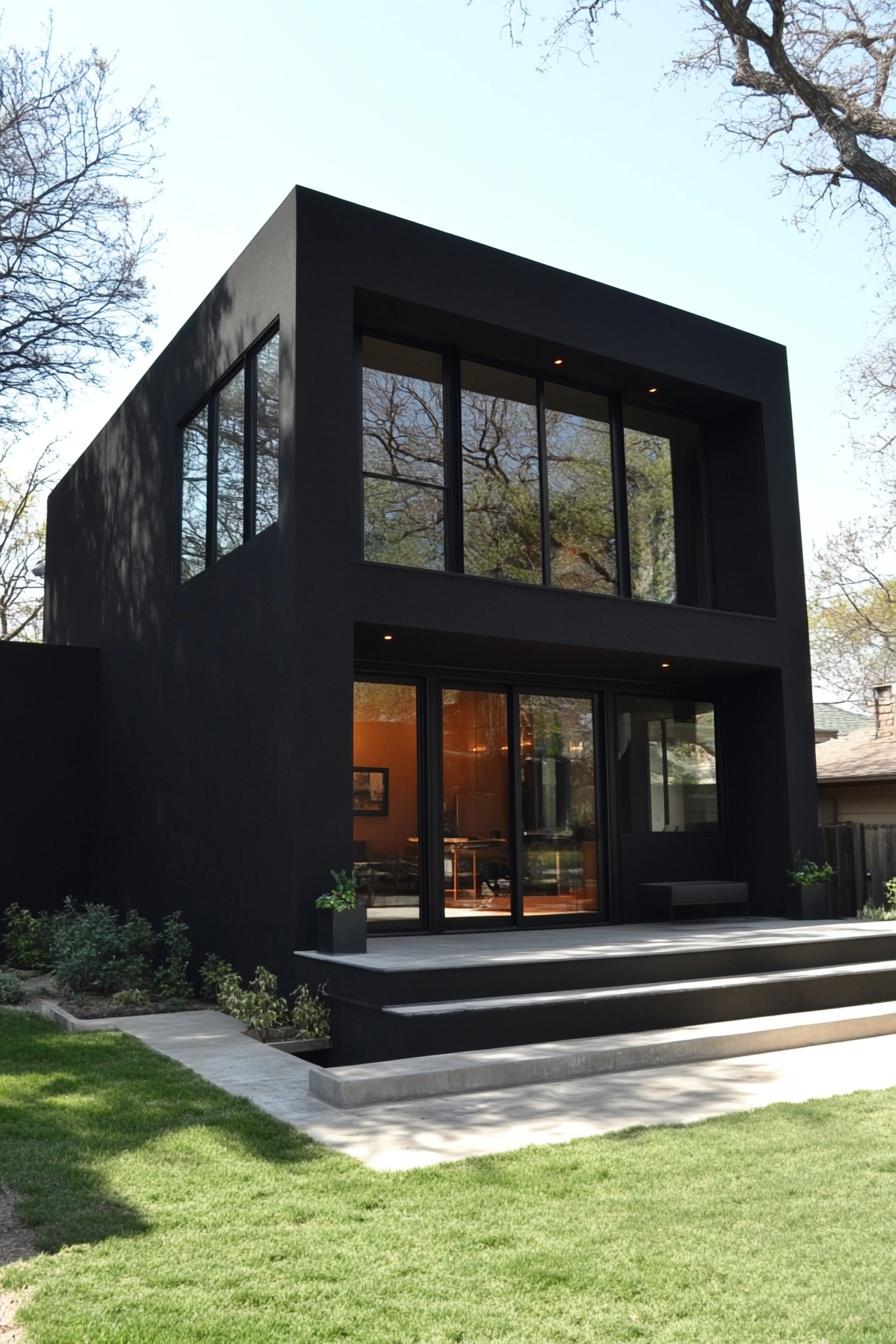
<point x="833" y="719"/>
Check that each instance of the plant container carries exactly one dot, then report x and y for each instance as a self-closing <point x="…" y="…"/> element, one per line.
<point x="342" y="933"/>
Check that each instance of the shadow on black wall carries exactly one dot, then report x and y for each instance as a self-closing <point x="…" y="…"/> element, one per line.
<point x="48" y="782"/>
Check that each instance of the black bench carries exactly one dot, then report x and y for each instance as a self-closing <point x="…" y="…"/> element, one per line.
<point x="706" y="892"/>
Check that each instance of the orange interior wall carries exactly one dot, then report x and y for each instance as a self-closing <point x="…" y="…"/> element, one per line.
<point x="391" y="746"/>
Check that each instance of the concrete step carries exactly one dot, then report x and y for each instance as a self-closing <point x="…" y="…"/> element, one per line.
<point x="618" y="993"/>
<point x="467" y="966"/>
<point x="550" y="1061"/>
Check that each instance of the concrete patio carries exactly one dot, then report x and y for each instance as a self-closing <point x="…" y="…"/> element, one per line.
<point x="402" y="1135"/>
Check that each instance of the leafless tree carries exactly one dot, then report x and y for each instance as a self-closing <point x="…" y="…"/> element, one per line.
<point x="21" y="546"/>
<point x="808" y="79"/>
<point x="76" y="173"/>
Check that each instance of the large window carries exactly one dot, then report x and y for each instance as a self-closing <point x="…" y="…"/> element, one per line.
<point x="485" y="471"/>
<point x="229" y="461"/>
<point x="650" y="505"/>
<point x="404" y="456"/>
<point x="580" y="490"/>
<point x="501" y="489"/>
<point x="667" y="765"/>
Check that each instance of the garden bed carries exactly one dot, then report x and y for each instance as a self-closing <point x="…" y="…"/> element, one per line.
<point x="94" y="1006"/>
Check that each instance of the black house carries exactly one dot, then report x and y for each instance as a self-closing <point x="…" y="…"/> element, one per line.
<point x="514" y="552"/>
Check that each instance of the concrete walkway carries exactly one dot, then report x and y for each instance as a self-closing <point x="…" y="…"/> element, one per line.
<point x="401" y="1135"/>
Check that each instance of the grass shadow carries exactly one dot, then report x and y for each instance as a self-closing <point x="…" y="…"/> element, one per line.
<point x="71" y="1103"/>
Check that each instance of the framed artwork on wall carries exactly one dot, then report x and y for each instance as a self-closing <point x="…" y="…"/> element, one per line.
<point x="370" y="791"/>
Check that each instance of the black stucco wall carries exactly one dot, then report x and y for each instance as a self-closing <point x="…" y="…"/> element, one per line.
<point x="48" y="781"/>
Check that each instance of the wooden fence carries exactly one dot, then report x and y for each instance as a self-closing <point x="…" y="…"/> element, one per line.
<point x="863" y="857"/>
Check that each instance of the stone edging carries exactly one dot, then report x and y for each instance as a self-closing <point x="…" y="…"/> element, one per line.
<point x="66" y="1021"/>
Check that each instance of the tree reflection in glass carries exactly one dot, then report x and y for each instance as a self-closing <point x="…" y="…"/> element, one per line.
<point x="580" y="490"/>
<point x="501" y="492"/>
<point x="651" y="509"/>
<point x="231" y="432"/>
<point x="667" y="765"/>
<point x="267" y="433"/>
<point x="403" y="455"/>
<point x="194" y="495"/>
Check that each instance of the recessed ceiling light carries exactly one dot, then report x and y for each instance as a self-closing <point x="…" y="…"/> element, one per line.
<point x="653" y="389"/>
<point x="558" y="362"/>
<point x="387" y="637"/>
<point x="665" y="664"/>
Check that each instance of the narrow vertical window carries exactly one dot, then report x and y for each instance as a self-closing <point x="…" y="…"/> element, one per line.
<point x="194" y="495"/>
<point x="267" y="433"/>
<point x="231" y="440"/>
<point x="404" y="455"/>
<point x="501" y="483"/>
<point x="580" y="490"/>
<point x="651" y="510"/>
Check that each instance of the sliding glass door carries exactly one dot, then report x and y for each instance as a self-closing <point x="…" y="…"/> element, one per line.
<point x="476" y="825"/>
<point x="500" y="826"/>
<point x="559" y="805"/>
<point x="386" y="801"/>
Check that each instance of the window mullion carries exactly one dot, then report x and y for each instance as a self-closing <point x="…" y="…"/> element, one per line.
<point x="544" y="497"/>
<point x="620" y="498"/>
<point x="211" y="537"/>
<point x="454" y="478"/>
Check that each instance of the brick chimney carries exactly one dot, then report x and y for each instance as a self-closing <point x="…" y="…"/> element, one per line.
<point x="883" y="711"/>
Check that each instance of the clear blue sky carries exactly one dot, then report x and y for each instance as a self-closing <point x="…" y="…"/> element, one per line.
<point x="424" y="109"/>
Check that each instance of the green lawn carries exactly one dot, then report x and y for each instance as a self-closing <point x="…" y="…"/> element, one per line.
<point x="169" y="1211"/>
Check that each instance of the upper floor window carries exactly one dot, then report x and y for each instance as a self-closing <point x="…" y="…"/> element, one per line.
<point x="404" y="455"/>
<point x="481" y="470"/>
<point x="229" y="460"/>
<point x="501" y="474"/>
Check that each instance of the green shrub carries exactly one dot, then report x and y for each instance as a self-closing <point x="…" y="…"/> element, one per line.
<point x="808" y="873"/>
<point x="885" y="911"/>
<point x="171" y="978"/>
<point x="213" y="971"/>
<point x="261" y="1006"/>
<point x="27" y="938"/>
<point x="95" y="952"/>
<point x="130" y="998"/>
<point x="230" y="994"/>
<point x="12" y="991"/>
<point x="310" y="1015"/>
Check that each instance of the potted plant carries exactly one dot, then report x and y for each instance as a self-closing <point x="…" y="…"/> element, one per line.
<point x="341" y="919"/>
<point x="812" y="881"/>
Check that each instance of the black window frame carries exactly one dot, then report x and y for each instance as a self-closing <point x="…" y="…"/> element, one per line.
<point x="719" y="826"/>
<point x="453" y="525"/>
<point x="247" y="364"/>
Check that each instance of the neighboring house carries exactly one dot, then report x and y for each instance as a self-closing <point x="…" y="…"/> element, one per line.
<point x="857" y="773"/>
<point x="832" y="721"/>
<point x="542" y="534"/>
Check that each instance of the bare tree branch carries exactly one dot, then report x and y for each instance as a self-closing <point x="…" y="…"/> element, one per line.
<point x="76" y="173"/>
